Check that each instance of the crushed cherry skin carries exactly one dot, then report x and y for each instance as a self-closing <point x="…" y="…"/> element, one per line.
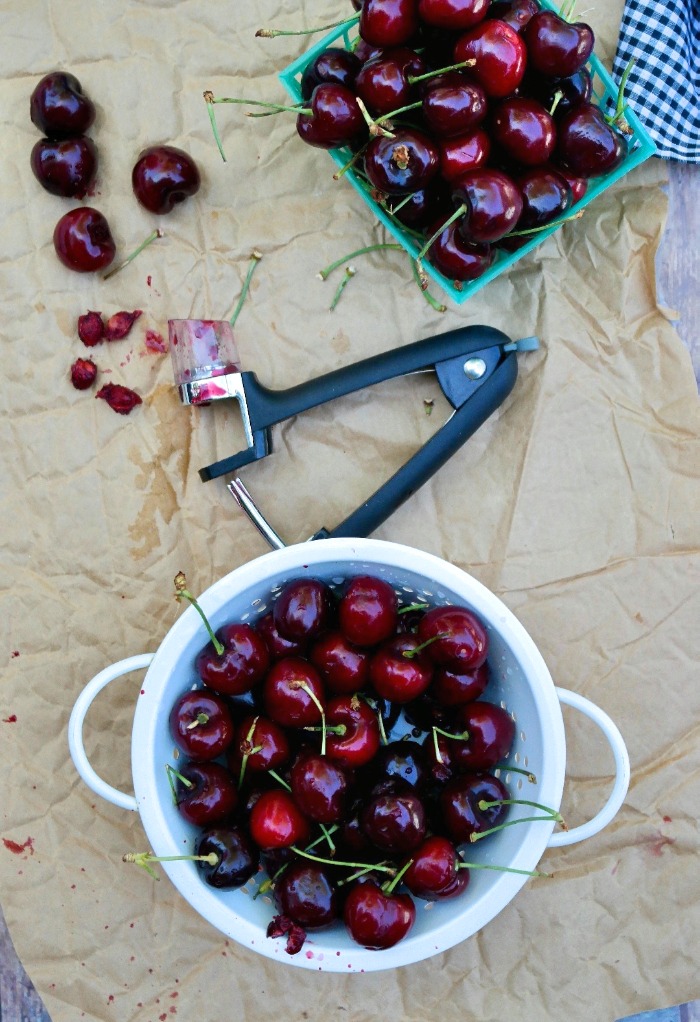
<point x="91" y="328"/>
<point x="119" y="325"/>
<point x="119" y="398"/>
<point x="83" y="373"/>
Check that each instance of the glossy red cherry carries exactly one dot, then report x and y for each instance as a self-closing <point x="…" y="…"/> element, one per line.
<point x="83" y="241"/>
<point x="164" y="176"/>
<point x="359" y="740"/>
<point x="377" y="920"/>
<point x="523" y="130"/>
<point x="460" y="640"/>
<point x="65" y="167"/>
<point x="515" y="13"/>
<point x="555" y="47"/>
<point x="343" y="667"/>
<point x="459" y="802"/>
<point x="335" y="119"/>
<point x="207" y="794"/>
<point x="237" y="857"/>
<point x="403" y="163"/>
<point x="320" y="788"/>
<point x="333" y="65"/>
<point x="433" y="869"/>
<point x="388" y="23"/>
<point x="455" y="15"/>
<point x="563" y="94"/>
<point x="491" y="730"/>
<point x="59" y="107"/>
<point x="277" y="822"/>
<point x="402" y="761"/>
<point x="449" y="688"/>
<point x="260" y="742"/>
<point x="398" y="672"/>
<point x="457" y="258"/>
<point x="454" y="105"/>
<point x="492" y="205"/>
<point x="305" y="893"/>
<point x="201" y="724"/>
<point x="368" y="611"/>
<point x="546" y="197"/>
<point x="277" y="645"/>
<point x="500" y="57"/>
<point x="464" y="152"/>
<point x="293" y="692"/>
<point x="394" y="821"/>
<point x="303" y="609"/>
<point x="587" y="145"/>
<point x="383" y="83"/>
<point x="420" y="209"/>
<point x="242" y="664"/>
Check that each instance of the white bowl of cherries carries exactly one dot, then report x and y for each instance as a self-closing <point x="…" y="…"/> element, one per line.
<point x="363" y="769"/>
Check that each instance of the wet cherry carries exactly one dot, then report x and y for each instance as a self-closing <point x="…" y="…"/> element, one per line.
<point x="59" y="107"/>
<point x="83" y="241"/>
<point x="65" y="167"/>
<point x="164" y="176"/>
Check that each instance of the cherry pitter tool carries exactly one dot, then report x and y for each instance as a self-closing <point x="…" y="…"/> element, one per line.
<point x="476" y="369"/>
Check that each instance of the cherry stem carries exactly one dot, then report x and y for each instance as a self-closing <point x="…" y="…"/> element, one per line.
<point x="158" y="233"/>
<point x="509" y="823"/>
<point x="351" y="163"/>
<point x="462" y="736"/>
<point x="244" y="760"/>
<point x="350" y="272"/>
<point x="546" y="227"/>
<point x="411" y="653"/>
<point x="319" y="706"/>
<point x="375" y="127"/>
<point x="324" y="274"/>
<point x="331" y="729"/>
<point x="412" y="79"/>
<point x="143" y="859"/>
<point x="516" y="770"/>
<point x="274" y="107"/>
<point x="355" y="875"/>
<point x="558" y="96"/>
<point x="209" y="100"/>
<point x="395" y="113"/>
<point x="183" y="593"/>
<point x="460" y="211"/>
<point x="391" y="884"/>
<point x="327" y="836"/>
<point x="338" y="862"/>
<point x="621" y="106"/>
<point x="201" y="718"/>
<point x="436" y="746"/>
<point x="501" y="869"/>
<point x="172" y="772"/>
<point x="413" y="606"/>
<point x="254" y="260"/>
<point x="484" y="804"/>
<point x="421" y="280"/>
<point x="280" y="780"/>
<point x="273" y="33"/>
<point x="566" y="11"/>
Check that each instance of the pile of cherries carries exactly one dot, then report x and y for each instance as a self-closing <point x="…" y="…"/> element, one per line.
<point x="64" y="162"/>
<point x="472" y="122"/>
<point x="341" y="743"/>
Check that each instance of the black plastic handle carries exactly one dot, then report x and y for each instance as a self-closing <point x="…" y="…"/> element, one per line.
<point x="267" y="407"/>
<point x="462" y="424"/>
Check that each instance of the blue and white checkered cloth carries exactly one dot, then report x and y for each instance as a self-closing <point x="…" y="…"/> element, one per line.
<point x="663" y="37"/>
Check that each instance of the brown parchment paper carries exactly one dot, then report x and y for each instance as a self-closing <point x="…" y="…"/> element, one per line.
<point x="577" y="503"/>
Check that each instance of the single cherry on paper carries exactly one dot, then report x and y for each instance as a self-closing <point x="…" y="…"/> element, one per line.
<point x="83" y="240"/>
<point x="164" y="176"/>
<point x="65" y="167"/>
<point x="59" y="107"/>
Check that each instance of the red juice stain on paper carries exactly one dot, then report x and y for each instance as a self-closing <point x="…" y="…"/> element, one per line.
<point x="16" y="848"/>
<point x="12" y="719"/>
<point x="154" y="342"/>
<point x="15" y="653"/>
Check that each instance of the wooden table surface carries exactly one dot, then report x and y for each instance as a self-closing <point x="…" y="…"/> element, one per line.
<point x="678" y="277"/>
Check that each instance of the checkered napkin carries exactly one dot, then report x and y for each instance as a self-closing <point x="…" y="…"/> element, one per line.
<point x="663" y="37"/>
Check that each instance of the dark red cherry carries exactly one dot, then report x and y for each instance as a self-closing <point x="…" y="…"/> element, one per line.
<point x="305" y="893"/>
<point x="277" y="822"/>
<point x="459" y="803"/>
<point x="388" y="23"/>
<point x="402" y="761"/>
<point x="261" y="742"/>
<point x="419" y="210"/>
<point x="515" y="13"/>
<point x="201" y="724"/>
<point x="491" y="730"/>
<point x="457" y="258"/>
<point x="460" y="640"/>
<point x="333" y="64"/>
<point x="164" y="176"/>
<point x="320" y="788"/>
<point x="587" y="145"/>
<point x="394" y="821"/>
<point x="358" y="742"/>
<point x="455" y="15"/>
<point x="492" y="207"/>
<point x="404" y="163"/>
<point x="238" y="858"/>
<point x="563" y="94"/>
<point x="578" y="185"/>
<point x="343" y="667"/>
<point x="523" y="130"/>
<point x="433" y="868"/>
<point x="546" y="196"/>
<point x="398" y="672"/>
<point x="374" y="919"/>
<point x="242" y="664"/>
<point x="83" y="241"/>
<point x="293" y="692"/>
<point x="65" y="167"/>
<point x="59" y="107"/>
<point x="277" y="645"/>
<point x="207" y="794"/>
<point x="368" y="611"/>
<point x="454" y="105"/>
<point x="463" y="153"/>
<point x="383" y="83"/>
<point x="449" y="688"/>
<point x="500" y="57"/>
<point x="556" y="47"/>
<point x="335" y="119"/>
<point x="303" y="609"/>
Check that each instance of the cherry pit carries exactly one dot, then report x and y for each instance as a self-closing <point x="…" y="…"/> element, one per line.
<point x="342" y="750"/>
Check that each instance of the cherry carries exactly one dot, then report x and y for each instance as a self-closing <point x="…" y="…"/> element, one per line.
<point x="374" y="919"/>
<point x="523" y="130"/>
<point x="83" y="241"/>
<point x="546" y="196"/>
<point x="563" y="94"/>
<point x="205" y="793"/>
<point x="463" y="153"/>
<point x="418" y="210"/>
<point x="578" y="185"/>
<point x="404" y="761"/>
<point x="303" y="609"/>
<point x="344" y="668"/>
<point x="59" y="107"/>
<point x="492" y="205"/>
<point x="450" y="688"/>
<point x="237" y="858"/>
<point x="433" y="869"/>
<point x="277" y="645"/>
<point x="91" y="328"/>
<point x="555" y="47"/>
<point x="457" y="258"/>
<point x="320" y="788"/>
<point x="587" y="145"/>
<point x="459" y="802"/>
<point x="516" y="13"/>
<point x="293" y="693"/>
<point x="334" y="65"/>
<point x="383" y="83"/>
<point x="65" y="167"/>
<point x="490" y="729"/>
<point x="388" y="22"/>
<point x="277" y="822"/>
<point x="460" y="641"/>
<point x="83" y="373"/>
<point x="394" y="821"/>
<point x="335" y="119"/>
<point x="201" y="724"/>
<point x="368" y="611"/>
<point x="259" y="743"/>
<point x="398" y="671"/>
<point x="359" y="740"/>
<point x="455" y="15"/>
<point x="500" y="57"/>
<point x="305" y="893"/>
<point x="402" y="163"/>
<point x="240" y="666"/>
<point x="454" y="105"/>
<point x="164" y="176"/>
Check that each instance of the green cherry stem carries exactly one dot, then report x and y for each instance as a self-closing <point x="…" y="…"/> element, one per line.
<point x="411" y="653"/>
<point x="277" y="108"/>
<point x="546" y="227"/>
<point x="374" y="126"/>
<point x="172" y="772"/>
<point x="248" y="752"/>
<point x="620" y="105"/>
<point x="558" y="96"/>
<point x="319" y="706"/>
<point x="280" y="780"/>
<point x="201" y="718"/>
<point x="460" y="211"/>
<point x="412" y="79"/>
<point x="351" y="162"/>
<point x="158" y="233"/>
<point x="509" y="823"/>
<point x="183" y="593"/>
<point x="209" y="100"/>
<point x="421" y="280"/>
<point x="502" y="869"/>
<point x="389" y="886"/>
<point x="483" y="804"/>
<point x="517" y="770"/>
<point x="338" y="862"/>
<point x="254" y="260"/>
<point x="143" y="859"/>
<point x="273" y="33"/>
<point x="462" y="736"/>
<point x="350" y="272"/>
<point x="413" y="606"/>
<point x="324" y="274"/>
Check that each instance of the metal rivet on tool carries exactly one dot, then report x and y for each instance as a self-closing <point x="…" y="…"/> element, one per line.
<point x="474" y="368"/>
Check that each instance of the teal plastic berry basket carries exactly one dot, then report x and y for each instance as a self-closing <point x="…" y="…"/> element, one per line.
<point x="605" y="91"/>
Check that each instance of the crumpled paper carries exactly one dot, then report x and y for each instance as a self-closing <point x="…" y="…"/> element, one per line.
<point x="576" y="503"/>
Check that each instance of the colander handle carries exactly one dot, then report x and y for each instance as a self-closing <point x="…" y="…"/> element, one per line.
<point x="77" y="719"/>
<point x="622" y="771"/>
